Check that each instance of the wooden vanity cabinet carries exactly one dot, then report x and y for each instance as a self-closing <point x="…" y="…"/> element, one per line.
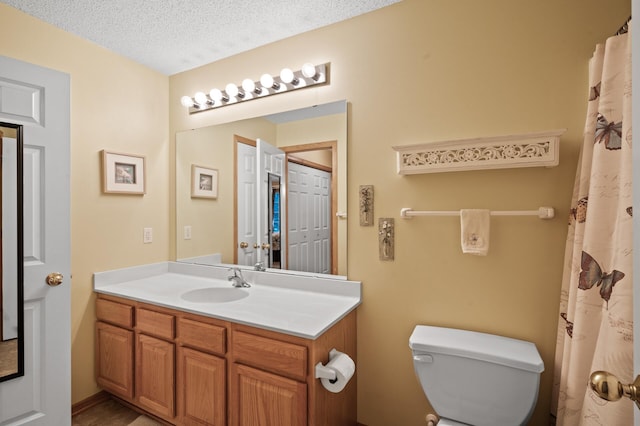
<point x="155" y="356"/>
<point x="195" y="370"/>
<point x="114" y="347"/>
<point x="202" y="371"/>
<point x="268" y="380"/>
<point x="272" y="379"/>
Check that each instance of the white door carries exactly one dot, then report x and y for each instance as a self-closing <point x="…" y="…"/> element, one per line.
<point x="246" y="204"/>
<point x="309" y="205"/>
<point x="270" y="161"/>
<point x="38" y="99"/>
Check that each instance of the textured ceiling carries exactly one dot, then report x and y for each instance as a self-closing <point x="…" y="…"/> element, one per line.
<point x="172" y="36"/>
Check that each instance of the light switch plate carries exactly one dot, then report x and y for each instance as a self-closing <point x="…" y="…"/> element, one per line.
<point x="147" y="236"/>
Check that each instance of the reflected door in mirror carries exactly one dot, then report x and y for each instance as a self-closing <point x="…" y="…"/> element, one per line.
<point x="270" y="166"/>
<point x="309" y="205"/>
<point x="247" y="236"/>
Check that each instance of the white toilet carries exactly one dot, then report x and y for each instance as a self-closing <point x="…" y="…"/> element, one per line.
<point x="475" y="378"/>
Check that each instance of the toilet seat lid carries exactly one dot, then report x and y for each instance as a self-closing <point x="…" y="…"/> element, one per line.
<point x="481" y="346"/>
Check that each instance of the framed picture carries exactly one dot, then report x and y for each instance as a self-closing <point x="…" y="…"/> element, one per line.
<point x="122" y="173"/>
<point x="204" y="182"/>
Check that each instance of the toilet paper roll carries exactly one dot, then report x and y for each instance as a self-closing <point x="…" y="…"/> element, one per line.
<point x="344" y="367"/>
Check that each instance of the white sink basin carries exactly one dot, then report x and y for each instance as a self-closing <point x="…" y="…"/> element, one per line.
<point x="215" y="295"/>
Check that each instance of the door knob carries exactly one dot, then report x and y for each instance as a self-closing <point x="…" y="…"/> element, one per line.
<point x="608" y="387"/>
<point x="256" y="245"/>
<point x="266" y="246"/>
<point x="244" y="245"/>
<point x="54" y="279"/>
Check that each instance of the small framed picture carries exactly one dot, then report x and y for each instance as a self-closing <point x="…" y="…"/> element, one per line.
<point x="204" y="182"/>
<point x="122" y="173"/>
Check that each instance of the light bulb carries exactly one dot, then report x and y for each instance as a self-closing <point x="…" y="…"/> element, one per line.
<point x="249" y="86"/>
<point x="267" y="82"/>
<point x="232" y="90"/>
<point x="287" y="77"/>
<point x="309" y="70"/>
<point x="186" y="101"/>
<point x="201" y="98"/>
<point x="217" y="95"/>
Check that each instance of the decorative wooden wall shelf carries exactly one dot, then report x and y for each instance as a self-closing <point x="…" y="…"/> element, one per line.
<point x="539" y="149"/>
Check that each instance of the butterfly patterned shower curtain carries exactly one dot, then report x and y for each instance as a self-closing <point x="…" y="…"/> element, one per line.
<point x="595" y="329"/>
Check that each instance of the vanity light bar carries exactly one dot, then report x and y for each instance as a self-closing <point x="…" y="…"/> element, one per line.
<point x="288" y="80"/>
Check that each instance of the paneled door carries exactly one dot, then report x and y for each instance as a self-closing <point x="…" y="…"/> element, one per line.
<point x="38" y="99"/>
<point x="247" y="233"/>
<point x="309" y="205"/>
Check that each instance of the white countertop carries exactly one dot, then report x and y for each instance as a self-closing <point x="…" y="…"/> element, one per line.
<point x="304" y="306"/>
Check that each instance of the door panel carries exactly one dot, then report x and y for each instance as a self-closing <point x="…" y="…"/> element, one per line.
<point x="309" y="192"/>
<point x="246" y="207"/>
<point x="270" y="161"/>
<point x="38" y="98"/>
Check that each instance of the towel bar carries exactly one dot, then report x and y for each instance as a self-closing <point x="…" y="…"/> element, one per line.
<point x="542" y="213"/>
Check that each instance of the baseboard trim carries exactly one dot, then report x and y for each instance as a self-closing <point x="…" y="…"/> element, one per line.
<point x="87" y="403"/>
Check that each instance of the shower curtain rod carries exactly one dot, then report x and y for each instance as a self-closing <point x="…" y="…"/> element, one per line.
<point x="624" y="28"/>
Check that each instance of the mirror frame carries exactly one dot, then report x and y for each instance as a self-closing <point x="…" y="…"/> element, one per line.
<point x="20" y="251"/>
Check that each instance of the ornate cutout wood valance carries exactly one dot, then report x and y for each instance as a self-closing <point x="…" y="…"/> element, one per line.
<point x="539" y="149"/>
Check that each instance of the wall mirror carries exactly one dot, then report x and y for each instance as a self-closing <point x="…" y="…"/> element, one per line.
<point x="281" y="191"/>
<point x="11" y="253"/>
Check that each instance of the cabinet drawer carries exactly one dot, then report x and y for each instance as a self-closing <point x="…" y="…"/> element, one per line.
<point x="200" y="335"/>
<point x="155" y="323"/>
<point x="114" y="312"/>
<point x="271" y="355"/>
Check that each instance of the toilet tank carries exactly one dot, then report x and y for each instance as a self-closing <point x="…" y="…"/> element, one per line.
<point x="477" y="378"/>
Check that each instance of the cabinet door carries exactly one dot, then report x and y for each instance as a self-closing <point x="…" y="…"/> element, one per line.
<point x="201" y="382"/>
<point x="265" y="399"/>
<point x="155" y="382"/>
<point x="114" y="359"/>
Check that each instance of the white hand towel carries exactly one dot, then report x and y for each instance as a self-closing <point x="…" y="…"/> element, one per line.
<point x="474" y="229"/>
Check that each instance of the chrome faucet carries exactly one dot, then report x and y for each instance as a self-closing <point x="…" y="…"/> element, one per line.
<point x="237" y="280"/>
<point x="259" y="266"/>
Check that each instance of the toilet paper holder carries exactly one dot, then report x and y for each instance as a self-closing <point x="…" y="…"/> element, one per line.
<point x="323" y="372"/>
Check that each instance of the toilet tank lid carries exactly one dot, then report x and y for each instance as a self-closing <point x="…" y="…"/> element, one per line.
<point x="471" y="344"/>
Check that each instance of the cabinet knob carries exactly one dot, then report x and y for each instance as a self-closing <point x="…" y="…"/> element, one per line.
<point x="244" y="245"/>
<point x="266" y="246"/>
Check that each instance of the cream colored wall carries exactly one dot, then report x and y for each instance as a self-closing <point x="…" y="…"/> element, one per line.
<point x="117" y="105"/>
<point x="426" y="70"/>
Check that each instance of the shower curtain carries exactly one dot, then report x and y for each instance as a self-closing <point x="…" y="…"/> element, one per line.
<point x="595" y="329"/>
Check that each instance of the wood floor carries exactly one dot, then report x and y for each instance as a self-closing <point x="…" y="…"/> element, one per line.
<point x="8" y="357"/>
<point x="111" y="413"/>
